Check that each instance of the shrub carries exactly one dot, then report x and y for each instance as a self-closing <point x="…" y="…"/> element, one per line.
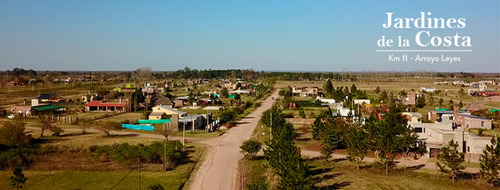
<point x="56" y="131"/>
<point x="256" y="186"/>
<point x="156" y="187"/>
<point x="153" y="153"/>
<point x="250" y="147"/>
<point x="12" y="134"/>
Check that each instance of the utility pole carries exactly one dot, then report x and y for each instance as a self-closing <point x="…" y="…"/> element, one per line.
<point x="139" y="168"/>
<point x="165" y="146"/>
<point x="184" y="134"/>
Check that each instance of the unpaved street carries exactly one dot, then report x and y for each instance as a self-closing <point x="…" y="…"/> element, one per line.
<point x="219" y="169"/>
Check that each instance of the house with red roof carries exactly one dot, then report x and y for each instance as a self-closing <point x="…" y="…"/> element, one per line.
<point x="98" y="105"/>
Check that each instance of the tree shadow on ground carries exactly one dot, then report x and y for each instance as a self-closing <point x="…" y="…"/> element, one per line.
<point x="413" y="168"/>
<point x="319" y="170"/>
<point x="335" y="185"/>
<point x="303" y="139"/>
<point x="337" y="160"/>
<point x="240" y="123"/>
<point x="121" y="135"/>
<point x="258" y="158"/>
<point x="326" y="177"/>
<point x="468" y="176"/>
<point x="44" y="140"/>
<point x="75" y="134"/>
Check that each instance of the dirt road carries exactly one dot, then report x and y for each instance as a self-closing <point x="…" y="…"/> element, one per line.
<point x="219" y="169"/>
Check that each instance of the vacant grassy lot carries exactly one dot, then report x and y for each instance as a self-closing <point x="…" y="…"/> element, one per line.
<point x="70" y="179"/>
<point x="343" y="174"/>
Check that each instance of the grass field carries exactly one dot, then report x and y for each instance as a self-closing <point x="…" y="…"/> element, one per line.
<point x="71" y="179"/>
<point x="343" y="174"/>
<point x="97" y="179"/>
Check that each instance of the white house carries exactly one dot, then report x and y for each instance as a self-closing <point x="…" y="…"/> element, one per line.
<point x="361" y="101"/>
<point x="325" y="100"/>
<point x="424" y="89"/>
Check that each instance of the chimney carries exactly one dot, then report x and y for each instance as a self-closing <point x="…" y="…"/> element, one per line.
<point x="455" y="114"/>
<point x="433" y="116"/>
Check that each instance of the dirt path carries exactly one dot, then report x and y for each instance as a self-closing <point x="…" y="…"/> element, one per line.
<point x="219" y="169"/>
<point x="400" y="162"/>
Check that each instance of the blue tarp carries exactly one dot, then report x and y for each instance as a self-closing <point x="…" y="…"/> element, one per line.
<point x="138" y="127"/>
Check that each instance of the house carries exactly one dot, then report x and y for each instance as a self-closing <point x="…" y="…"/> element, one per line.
<point x="157" y="115"/>
<point x="336" y="106"/>
<point x="344" y="112"/>
<point x="471" y="121"/>
<point x="488" y="93"/>
<point x="361" y="101"/>
<point x="46" y="98"/>
<point x="441" y="83"/>
<point x="410" y="98"/>
<point x="472" y="107"/>
<point x="181" y="101"/>
<point x="413" y="117"/>
<point x="239" y="92"/>
<point x="425" y="89"/>
<point x="46" y="109"/>
<point x="459" y="118"/>
<point x="168" y="111"/>
<point x="325" y="100"/>
<point x="21" y="110"/>
<point x="164" y="101"/>
<point x="305" y="91"/>
<point x="99" y="105"/>
<point x="148" y="90"/>
<point x="442" y="116"/>
<point x="192" y="122"/>
<point x="437" y="135"/>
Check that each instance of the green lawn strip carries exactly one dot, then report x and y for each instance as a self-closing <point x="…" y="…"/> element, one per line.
<point x="98" y="179"/>
<point x="343" y="172"/>
<point x="66" y="179"/>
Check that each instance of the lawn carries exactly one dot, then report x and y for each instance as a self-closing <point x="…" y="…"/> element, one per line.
<point x="131" y="116"/>
<point x="342" y="174"/>
<point x="78" y="179"/>
<point x="98" y="179"/>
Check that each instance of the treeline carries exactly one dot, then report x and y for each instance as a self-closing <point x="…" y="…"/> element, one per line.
<point x="188" y="73"/>
<point x="340" y="93"/>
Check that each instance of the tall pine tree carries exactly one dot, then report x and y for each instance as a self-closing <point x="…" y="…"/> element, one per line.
<point x="357" y="143"/>
<point x="284" y="156"/>
<point x="490" y="162"/>
<point x="450" y="160"/>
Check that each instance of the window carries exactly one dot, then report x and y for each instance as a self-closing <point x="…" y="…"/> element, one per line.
<point x="468" y="148"/>
<point x="482" y="123"/>
<point x="418" y="129"/>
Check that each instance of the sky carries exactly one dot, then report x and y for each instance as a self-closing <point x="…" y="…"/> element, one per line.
<point x="261" y="35"/>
